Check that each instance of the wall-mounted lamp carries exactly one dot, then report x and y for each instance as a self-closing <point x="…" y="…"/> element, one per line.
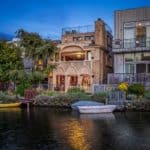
<point x="50" y="75"/>
<point x="139" y="24"/>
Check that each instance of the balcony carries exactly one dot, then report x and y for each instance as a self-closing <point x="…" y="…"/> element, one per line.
<point x="75" y="63"/>
<point x="128" y="45"/>
<point x="116" y="78"/>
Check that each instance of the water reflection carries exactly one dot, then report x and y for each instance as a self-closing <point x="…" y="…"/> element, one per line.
<point x="76" y="136"/>
<point x="103" y="116"/>
<point x="45" y="129"/>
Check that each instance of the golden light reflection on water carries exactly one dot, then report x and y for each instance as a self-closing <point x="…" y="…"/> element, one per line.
<point x="17" y="109"/>
<point x="75" y="132"/>
<point x="77" y="136"/>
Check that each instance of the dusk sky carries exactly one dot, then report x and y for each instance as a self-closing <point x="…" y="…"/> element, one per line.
<point x="48" y="17"/>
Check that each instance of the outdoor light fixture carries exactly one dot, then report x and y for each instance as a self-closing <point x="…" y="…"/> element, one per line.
<point x="140" y="24"/>
<point x="50" y="74"/>
<point x="40" y="62"/>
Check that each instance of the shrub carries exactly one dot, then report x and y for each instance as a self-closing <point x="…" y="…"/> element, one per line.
<point x="123" y="86"/>
<point x="48" y="93"/>
<point x="2" y="95"/>
<point x="30" y="93"/>
<point x="6" y="98"/>
<point x="75" y="90"/>
<point x="101" y="97"/>
<point x="147" y="94"/>
<point x="21" y="88"/>
<point x="137" y="89"/>
<point x="78" y="96"/>
<point x="61" y="100"/>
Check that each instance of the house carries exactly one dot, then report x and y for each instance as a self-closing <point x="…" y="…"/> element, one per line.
<point x="84" y="57"/>
<point x="131" y="46"/>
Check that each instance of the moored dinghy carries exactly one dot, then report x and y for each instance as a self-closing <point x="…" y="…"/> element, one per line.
<point x="97" y="109"/>
<point x="75" y="105"/>
<point x="10" y="105"/>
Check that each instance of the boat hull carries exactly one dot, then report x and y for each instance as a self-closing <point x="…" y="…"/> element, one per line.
<point x="96" y="109"/>
<point x="10" y="105"/>
<point x="75" y="105"/>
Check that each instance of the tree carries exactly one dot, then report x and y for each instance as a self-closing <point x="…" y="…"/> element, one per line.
<point x="10" y="60"/>
<point x="36" y="47"/>
<point x="40" y="51"/>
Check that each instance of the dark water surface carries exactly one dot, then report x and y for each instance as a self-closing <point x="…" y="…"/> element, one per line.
<point x="46" y="129"/>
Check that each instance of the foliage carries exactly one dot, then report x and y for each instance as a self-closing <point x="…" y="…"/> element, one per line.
<point x="4" y="98"/>
<point x="21" y="88"/>
<point x="10" y="59"/>
<point x="78" y="96"/>
<point x="35" y="46"/>
<point x="137" y="89"/>
<point x="123" y="86"/>
<point x="147" y="94"/>
<point x="2" y="95"/>
<point x="101" y="97"/>
<point x="76" y="93"/>
<point x="75" y="90"/>
<point x="61" y="100"/>
<point x="30" y="93"/>
<point x="37" y="76"/>
<point x="48" y="93"/>
<point x="49" y="69"/>
<point x="30" y="41"/>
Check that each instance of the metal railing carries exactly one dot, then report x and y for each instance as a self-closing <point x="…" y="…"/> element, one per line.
<point x="131" y="43"/>
<point x="79" y="29"/>
<point x="116" y="78"/>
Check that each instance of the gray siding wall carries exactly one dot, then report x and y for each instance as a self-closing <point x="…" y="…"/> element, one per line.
<point x="129" y="15"/>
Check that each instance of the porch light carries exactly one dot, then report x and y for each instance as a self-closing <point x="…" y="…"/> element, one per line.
<point x="139" y="24"/>
<point x="50" y="74"/>
<point x="40" y="62"/>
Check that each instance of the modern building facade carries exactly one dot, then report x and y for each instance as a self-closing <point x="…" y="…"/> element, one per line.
<point x="84" y="57"/>
<point x="131" y="47"/>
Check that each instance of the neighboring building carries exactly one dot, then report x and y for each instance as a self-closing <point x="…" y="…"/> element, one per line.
<point x="84" y="57"/>
<point x="131" y="46"/>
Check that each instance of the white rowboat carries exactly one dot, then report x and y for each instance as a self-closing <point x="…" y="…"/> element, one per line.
<point x="96" y="109"/>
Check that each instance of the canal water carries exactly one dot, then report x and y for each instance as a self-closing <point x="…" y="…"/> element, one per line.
<point x="46" y="129"/>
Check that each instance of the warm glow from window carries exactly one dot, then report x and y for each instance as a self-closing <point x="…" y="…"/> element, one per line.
<point x="40" y="62"/>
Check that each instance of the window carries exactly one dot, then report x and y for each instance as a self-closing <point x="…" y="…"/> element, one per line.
<point x="129" y="36"/>
<point x="89" y="38"/>
<point x="89" y="55"/>
<point x="141" y="68"/>
<point x="129" y="68"/>
<point x="140" y="36"/>
<point x="148" y="68"/>
<point x="129" y="57"/>
<point x="73" y="80"/>
<point x="77" y="38"/>
<point x="148" y="36"/>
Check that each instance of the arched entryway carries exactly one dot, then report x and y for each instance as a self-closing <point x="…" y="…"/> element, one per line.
<point x="59" y="79"/>
<point x="86" y="82"/>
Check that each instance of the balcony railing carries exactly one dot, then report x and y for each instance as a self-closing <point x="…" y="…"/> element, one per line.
<point x="77" y="30"/>
<point x="127" y="44"/>
<point x="116" y="78"/>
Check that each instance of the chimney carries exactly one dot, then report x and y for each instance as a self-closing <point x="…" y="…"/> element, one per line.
<point x="100" y="33"/>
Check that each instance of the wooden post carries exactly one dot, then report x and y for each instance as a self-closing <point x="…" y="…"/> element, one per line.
<point x="28" y="106"/>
